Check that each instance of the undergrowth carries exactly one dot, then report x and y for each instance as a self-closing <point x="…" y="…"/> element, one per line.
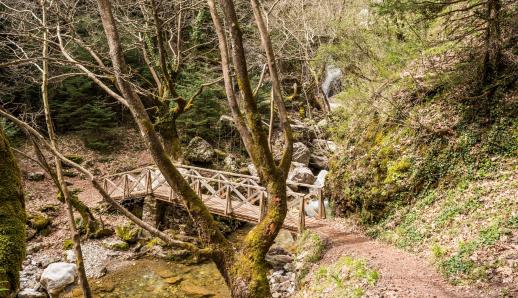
<point x="347" y="277"/>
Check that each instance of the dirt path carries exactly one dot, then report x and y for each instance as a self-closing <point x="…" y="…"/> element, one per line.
<point x="402" y="274"/>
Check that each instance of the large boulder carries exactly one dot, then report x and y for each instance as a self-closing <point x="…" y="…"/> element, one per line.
<point x="57" y="276"/>
<point x="301" y="153"/>
<point x="200" y="150"/>
<point x="300" y="173"/>
<point x="303" y="131"/>
<point x="319" y="161"/>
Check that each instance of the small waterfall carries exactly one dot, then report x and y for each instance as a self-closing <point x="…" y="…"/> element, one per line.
<point x="329" y="85"/>
<point x="333" y="74"/>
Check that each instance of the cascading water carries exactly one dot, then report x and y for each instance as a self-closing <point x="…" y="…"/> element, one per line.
<point x="332" y="77"/>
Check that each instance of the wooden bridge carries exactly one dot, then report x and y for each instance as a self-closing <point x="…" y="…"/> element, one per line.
<point x="225" y="194"/>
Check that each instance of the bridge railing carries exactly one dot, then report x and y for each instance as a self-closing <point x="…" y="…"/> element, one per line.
<point x="236" y="189"/>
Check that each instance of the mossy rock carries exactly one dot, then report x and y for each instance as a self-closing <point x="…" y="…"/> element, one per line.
<point x="128" y="233"/>
<point x="38" y="221"/>
<point x="101" y="233"/>
<point x="75" y="158"/>
<point x="50" y="208"/>
<point x="70" y="173"/>
<point x="156" y="242"/>
<point x="68" y="244"/>
<point x="116" y="245"/>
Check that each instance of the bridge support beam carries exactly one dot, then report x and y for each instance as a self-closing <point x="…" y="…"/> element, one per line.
<point x="150" y="212"/>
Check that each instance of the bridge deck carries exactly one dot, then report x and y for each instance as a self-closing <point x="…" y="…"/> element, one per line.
<point x="225" y="194"/>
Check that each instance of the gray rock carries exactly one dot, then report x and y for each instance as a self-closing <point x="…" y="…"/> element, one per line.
<point x="70" y="256"/>
<point x="115" y="244"/>
<point x="300" y="173"/>
<point x="231" y="163"/>
<point x="323" y="124"/>
<point x="319" y="161"/>
<point x="278" y="260"/>
<point x="30" y="293"/>
<point x="57" y="276"/>
<point x="45" y="261"/>
<point x="36" y="176"/>
<point x="200" y="150"/>
<point x="301" y="153"/>
<point x="252" y="170"/>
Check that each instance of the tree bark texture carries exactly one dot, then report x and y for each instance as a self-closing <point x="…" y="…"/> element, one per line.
<point x="12" y="221"/>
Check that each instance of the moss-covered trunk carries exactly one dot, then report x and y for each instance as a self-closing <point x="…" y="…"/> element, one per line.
<point x="248" y="271"/>
<point x="12" y="221"/>
<point x="171" y="141"/>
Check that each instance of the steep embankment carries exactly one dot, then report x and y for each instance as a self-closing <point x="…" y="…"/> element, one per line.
<point x="434" y="173"/>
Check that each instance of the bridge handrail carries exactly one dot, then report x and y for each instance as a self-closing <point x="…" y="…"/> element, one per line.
<point x="153" y="167"/>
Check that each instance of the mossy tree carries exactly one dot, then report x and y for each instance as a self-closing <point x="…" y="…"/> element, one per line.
<point x="12" y="221"/>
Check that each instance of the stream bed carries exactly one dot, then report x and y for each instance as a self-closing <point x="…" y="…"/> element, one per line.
<point x="160" y="278"/>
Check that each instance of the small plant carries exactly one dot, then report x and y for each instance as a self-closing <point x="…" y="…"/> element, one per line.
<point x="128" y="233"/>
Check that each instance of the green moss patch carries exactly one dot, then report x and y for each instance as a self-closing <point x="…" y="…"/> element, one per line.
<point x="128" y="233"/>
<point x="348" y="277"/>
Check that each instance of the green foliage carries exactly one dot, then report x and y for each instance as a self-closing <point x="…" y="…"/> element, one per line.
<point x="128" y="233"/>
<point x="11" y="131"/>
<point x="38" y="221"/>
<point x="207" y="108"/>
<point x="348" y="277"/>
<point x="310" y="248"/>
<point x="79" y="106"/>
<point x="68" y="244"/>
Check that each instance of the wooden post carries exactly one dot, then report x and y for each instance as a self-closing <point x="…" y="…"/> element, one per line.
<point x="149" y="183"/>
<point x="248" y="190"/>
<point x="302" y="216"/>
<point x="170" y="194"/>
<point x="198" y="188"/>
<point x="228" y="207"/>
<point x="125" y="187"/>
<point x="322" y="206"/>
<point x="261" y="206"/>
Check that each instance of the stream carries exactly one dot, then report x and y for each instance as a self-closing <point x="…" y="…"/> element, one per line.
<point x="160" y="278"/>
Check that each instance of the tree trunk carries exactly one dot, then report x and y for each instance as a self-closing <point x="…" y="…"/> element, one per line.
<point x="493" y="52"/>
<point x="91" y="224"/>
<point x="12" y="221"/>
<point x="249" y="271"/>
<point x="171" y="140"/>
<point x="83" y="281"/>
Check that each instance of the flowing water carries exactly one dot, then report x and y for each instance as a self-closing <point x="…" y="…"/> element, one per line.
<point x="159" y="278"/>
